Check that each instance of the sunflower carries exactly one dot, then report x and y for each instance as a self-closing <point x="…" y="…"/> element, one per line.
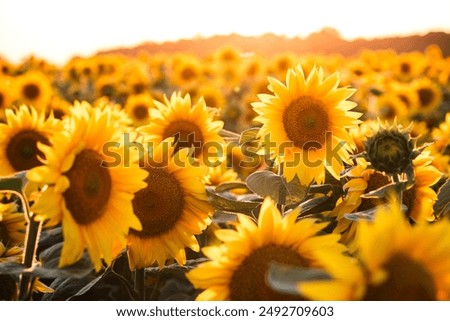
<point x="222" y="174"/>
<point x="212" y="95"/>
<point x="360" y="180"/>
<point x="397" y="262"/>
<point x="12" y="225"/>
<point x="441" y="135"/>
<point x="238" y="267"/>
<point x="187" y="72"/>
<point x="173" y="208"/>
<point x="404" y="262"/>
<point x="5" y="97"/>
<point x="138" y="107"/>
<point x="420" y="197"/>
<point x="19" y="136"/>
<point x="8" y="283"/>
<point x="409" y="66"/>
<point x="429" y="94"/>
<point x="34" y="89"/>
<point x="390" y="107"/>
<point x="90" y="186"/>
<point x="307" y="120"/>
<point x="190" y="125"/>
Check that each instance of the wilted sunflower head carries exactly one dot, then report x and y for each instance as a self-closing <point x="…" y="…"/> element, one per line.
<point x="391" y="149"/>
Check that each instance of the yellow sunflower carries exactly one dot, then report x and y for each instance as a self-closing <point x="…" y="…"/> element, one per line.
<point x="398" y="262"/>
<point x="173" y="208"/>
<point x="190" y="124"/>
<point x="361" y="180"/>
<point x="34" y="89"/>
<point x="138" y="107"/>
<point x="19" y="136"/>
<point x="404" y="262"/>
<point x="238" y="267"/>
<point x="420" y="197"/>
<point x="12" y="225"/>
<point x="441" y="135"/>
<point x="390" y="106"/>
<point x="307" y="120"/>
<point x="91" y="183"/>
<point x="5" y="97"/>
<point x="429" y="95"/>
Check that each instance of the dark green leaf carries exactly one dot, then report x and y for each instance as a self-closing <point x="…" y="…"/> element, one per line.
<point x="13" y="183"/>
<point x="11" y="268"/>
<point x="49" y="268"/>
<point x="285" y="278"/>
<point x="309" y="205"/>
<point x="442" y="205"/>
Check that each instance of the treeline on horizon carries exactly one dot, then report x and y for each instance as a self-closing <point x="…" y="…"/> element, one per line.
<point x="327" y="41"/>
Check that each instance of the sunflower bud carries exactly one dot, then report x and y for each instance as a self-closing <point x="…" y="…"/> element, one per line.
<point x="391" y="150"/>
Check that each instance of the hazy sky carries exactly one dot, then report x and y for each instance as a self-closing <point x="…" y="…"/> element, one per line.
<point x="57" y="30"/>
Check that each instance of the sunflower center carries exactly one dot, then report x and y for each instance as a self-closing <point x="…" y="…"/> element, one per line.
<point x="376" y="180"/>
<point x="186" y="134"/>
<point x="2" y="100"/>
<point x="31" y="91"/>
<point x="425" y="96"/>
<point x="405" y="68"/>
<point x="306" y="121"/>
<point x="22" y="151"/>
<point x="160" y="205"/>
<point x="387" y="112"/>
<point x="188" y="74"/>
<point x="248" y="282"/>
<point x="9" y="288"/>
<point x="139" y="88"/>
<point x="107" y="90"/>
<point x="90" y="187"/>
<point x="140" y="112"/>
<point x="404" y="99"/>
<point x="407" y="280"/>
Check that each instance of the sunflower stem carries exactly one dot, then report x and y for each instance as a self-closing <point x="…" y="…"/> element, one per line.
<point x="280" y="205"/>
<point x="399" y="195"/>
<point x="32" y="236"/>
<point x="139" y="283"/>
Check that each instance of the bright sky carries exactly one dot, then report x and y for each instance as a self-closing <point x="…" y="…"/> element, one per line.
<point x="57" y="30"/>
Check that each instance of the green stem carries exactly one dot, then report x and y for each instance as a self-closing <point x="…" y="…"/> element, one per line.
<point x="399" y="200"/>
<point x="139" y="283"/>
<point x="26" y="281"/>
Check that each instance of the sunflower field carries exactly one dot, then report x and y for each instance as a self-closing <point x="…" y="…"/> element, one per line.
<point x="232" y="176"/>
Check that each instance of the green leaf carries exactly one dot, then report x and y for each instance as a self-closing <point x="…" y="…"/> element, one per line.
<point x="368" y="215"/>
<point x="11" y="268"/>
<point x="442" y="205"/>
<point x="224" y="217"/>
<point x="311" y="204"/>
<point x="266" y="183"/>
<point x="227" y="186"/>
<point x="229" y="202"/>
<point x="249" y="135"/>
<point x="12" y="183"/>
<point x="49" y="268"/>
<point x="284" y="278"/>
